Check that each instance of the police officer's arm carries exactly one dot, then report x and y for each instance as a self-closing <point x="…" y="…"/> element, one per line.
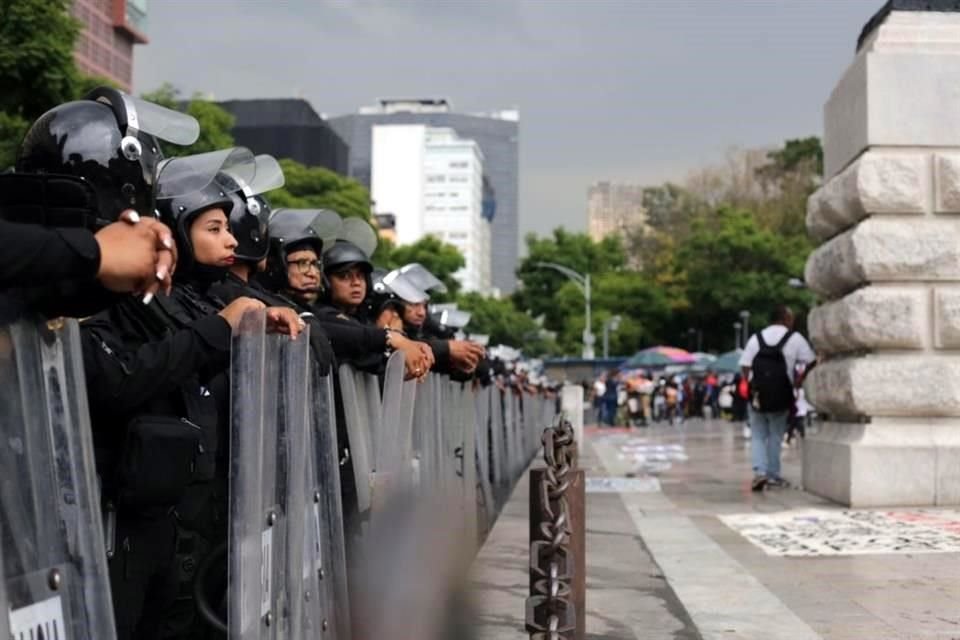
<point x="34" y="255"/>
<point x="124" y="378"/>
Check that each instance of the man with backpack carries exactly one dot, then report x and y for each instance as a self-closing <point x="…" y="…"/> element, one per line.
<point x="768" y="362"/>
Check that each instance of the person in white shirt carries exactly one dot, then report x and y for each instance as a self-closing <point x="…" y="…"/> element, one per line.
<point x="769" y="411"/>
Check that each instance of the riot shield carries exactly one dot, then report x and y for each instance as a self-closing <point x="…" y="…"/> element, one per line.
<point x="325" y="563"/>
<point x="487" y="506"/>
<point x="358" y="407"/>
<point x="424" y="442"/>
<point x="393" y="441"/>
<point x="268" y="502"/>
<point x="51" y="536"/>
<point x="497" y="459"/>
<point x="468" y="462"/>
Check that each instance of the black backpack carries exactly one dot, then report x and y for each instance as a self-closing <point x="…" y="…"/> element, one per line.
<point x="771" y="388"/>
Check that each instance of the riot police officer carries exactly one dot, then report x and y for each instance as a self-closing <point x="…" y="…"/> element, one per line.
<point x="76" y="214"/>
<point x="158" y="390"/>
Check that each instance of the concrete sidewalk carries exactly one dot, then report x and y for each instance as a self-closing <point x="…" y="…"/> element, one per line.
<point x="689" y="551"/>
<point x="627" y="595"/>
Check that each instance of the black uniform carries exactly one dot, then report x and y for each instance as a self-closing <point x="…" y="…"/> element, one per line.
<point x="355" y="340"/>
<point x="233" y="287"/>
<point x="49" y="270"/>
<point x="159" y="404"/>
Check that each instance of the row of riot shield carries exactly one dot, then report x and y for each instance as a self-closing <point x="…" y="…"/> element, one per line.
<point x="286" y="568"/>
<point x="286" y="547"/>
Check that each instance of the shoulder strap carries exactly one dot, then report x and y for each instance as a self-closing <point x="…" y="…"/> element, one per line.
<point x="783" y="340"/>
<point x="763" y="343"/>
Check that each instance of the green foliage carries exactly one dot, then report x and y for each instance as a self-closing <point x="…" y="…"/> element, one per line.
<point x="731" y="264"/>
<point x="37" y="70"/>
<point x="316" y="187"/>
<point x="573" y="250"/>
<point x="12" y="129"/>
<point x="727" y="242"/>
<point x="438" y="257"/>
<point x="499" y="319"/>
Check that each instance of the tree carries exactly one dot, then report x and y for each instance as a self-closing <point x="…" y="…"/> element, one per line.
<point x="37" y="70"/>
<point x="505" y="324"/>
<point x="438" y="257"/>
<point x="317" y="187"/>
<point x="731" y="263"/>
<point x="576" y="251"/>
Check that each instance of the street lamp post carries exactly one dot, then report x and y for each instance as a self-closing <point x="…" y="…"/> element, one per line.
<point x="612" y="324"/>
<point x="583" y="282"/>
<point x="745" y="318"/>
<point x="736" y="335"/>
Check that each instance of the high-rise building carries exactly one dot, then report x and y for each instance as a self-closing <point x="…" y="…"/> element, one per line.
<point x="110" y="29"/>
<point x="497" y="135"/>
<point x="614" y="208"/>
<point x="431" y="181"/>
<point x="287" y="128"/>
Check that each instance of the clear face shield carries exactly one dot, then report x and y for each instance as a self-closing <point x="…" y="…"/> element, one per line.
<point x="401" y="286"/>
<point x="359" y="233"/>
<point x="188" y="174"/>
<point x="254" y="178"/>
<point x="422" y="278"/>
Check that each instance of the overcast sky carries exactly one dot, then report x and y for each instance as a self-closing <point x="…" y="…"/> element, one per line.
<point x="639" y="91"/>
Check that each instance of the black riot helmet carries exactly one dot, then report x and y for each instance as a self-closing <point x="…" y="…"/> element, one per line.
<point x="251" y="212"/>
<point x="186" y="187"/>
<point x="108" y="141"/>
<point x="391" y="289"/>
<point x="291" y="230"/>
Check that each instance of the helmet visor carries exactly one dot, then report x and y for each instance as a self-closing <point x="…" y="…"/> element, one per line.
<point x="454" y="318"/>
<point x="425" y="280"/>
<point x="359" y="233"/>
<point x="261" y="174"/>
<point x="403" y="288"/>
<point x="188" y="174"/>
<point x="166" y="124"/>
<point x="328" y="225"/>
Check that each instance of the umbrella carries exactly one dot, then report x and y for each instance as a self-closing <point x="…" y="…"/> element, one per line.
<point x="660" y="357"/>
<point x="728" y="362"/>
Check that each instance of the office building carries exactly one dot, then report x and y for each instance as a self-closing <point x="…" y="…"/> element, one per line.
<point x="496" y="134"/>
<point x="431" y="181"/>
<point x="111" y="28"/>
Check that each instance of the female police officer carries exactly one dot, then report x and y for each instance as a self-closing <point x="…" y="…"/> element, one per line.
<point x="156" y="378"/>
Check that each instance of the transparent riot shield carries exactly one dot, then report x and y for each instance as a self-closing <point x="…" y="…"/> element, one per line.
<point x="392" y="441"/>
<point x="487" y="509"/>
<point x="467" y="411"/>
<point x="497" y="444"/>
<point x="358" y="412"/>
<point x="51" y="536"/>
<point x="327" y="605"/>
<point x="424" y="442"/>
<point x="4" y="606"/>
<point x="269" y="413"/>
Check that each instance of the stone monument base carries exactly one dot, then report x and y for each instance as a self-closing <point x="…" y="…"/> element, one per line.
<point x="886" y="462"/>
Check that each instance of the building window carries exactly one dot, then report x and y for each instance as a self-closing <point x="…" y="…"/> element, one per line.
<point x="436" y="178"/>
<point x="459" y="165"/>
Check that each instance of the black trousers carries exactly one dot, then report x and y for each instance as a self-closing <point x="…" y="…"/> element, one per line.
<point x="143" y="576"/>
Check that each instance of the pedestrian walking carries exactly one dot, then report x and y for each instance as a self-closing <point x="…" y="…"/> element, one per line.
<point x="768" y="362"/>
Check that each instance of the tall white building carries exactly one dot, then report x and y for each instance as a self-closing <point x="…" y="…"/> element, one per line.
<point x="431" y="180"/>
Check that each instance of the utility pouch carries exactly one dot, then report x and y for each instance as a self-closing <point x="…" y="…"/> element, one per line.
<point x="158" y="461"/>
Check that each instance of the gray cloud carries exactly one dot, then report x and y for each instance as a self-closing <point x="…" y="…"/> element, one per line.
<point x="641" y="90"/>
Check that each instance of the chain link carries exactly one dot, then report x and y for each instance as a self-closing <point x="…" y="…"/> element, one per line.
<point x="550" y="613"/>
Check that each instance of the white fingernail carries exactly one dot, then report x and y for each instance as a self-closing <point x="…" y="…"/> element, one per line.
<point x="134" y="216"/>
<point x="161" y="274"/>
<point x="168" y="243"/>
<point x="148" y="298"/>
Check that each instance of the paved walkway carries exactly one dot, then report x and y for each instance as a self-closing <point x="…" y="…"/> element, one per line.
<point x="781" y="564"/>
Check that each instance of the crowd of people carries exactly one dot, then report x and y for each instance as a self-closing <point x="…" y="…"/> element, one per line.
<point x="766" y="396"/>
<point x="162" y="258"/>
